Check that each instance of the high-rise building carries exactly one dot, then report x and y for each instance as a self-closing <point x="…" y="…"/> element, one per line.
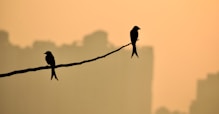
<point x="207" y="98"/>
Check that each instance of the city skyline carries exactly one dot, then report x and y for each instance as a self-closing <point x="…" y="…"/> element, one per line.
<point x="89" y="42"/>
<point x="183" y="34"/>
<point x="110" y="85"/>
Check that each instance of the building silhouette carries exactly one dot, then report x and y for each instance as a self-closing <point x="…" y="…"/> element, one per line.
<point x="116" y="84"/>
<point x="207" y="98"/>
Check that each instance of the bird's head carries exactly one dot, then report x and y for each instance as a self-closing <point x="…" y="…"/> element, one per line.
<point x="48" y="52"/>
<point x="136" y="28"/>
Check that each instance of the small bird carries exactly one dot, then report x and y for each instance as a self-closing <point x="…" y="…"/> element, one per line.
<point x="134" y="38"/>
<point x="51" y="61"/>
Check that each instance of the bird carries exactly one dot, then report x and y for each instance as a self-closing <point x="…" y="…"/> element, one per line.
<point x="134" y="38"/>
<point x="51" y="61"/>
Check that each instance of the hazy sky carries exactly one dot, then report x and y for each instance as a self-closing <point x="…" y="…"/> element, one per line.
<point x="184" y="34"/>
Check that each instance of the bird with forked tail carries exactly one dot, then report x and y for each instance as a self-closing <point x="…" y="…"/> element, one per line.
<point x="51" y="61"/>
<point x="134" y="38"/>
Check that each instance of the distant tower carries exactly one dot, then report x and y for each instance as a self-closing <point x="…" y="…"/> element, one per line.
<point x="207" y="99"/>
<point x="4" y="38"/>
<point x="8" y="52"/>
<point x="97" y="40"/>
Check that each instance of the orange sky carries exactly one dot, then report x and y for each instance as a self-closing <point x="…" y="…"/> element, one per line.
<point x="184" y="34"/>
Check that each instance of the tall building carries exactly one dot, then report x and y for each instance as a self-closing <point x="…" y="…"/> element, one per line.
<point x="207" y="99"/>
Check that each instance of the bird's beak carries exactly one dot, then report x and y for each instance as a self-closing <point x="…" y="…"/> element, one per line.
<point x="45" y="53"/>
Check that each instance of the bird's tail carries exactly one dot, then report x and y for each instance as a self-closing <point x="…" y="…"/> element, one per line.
<point x="134" y="51"/>
<point x="53" y="74"/>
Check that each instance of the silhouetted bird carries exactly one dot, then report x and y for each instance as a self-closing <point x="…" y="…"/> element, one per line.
<point x="51" y="61"/>
<point x="134" y="38"/>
